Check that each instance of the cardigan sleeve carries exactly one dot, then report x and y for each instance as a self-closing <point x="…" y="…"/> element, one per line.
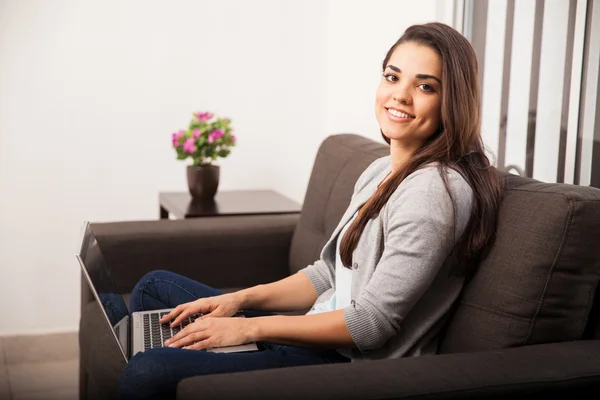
<point x="418" y="224"/>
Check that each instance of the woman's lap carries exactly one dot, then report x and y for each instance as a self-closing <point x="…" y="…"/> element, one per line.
<point x="155" y="373"/>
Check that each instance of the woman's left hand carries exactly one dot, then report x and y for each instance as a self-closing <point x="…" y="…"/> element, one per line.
<point x="212" y="332"/>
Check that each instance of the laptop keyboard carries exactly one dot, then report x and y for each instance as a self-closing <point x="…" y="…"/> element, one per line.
<point x="155" y="334"/>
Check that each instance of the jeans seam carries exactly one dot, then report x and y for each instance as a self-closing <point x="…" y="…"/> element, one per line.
<point x="154" y="280"/>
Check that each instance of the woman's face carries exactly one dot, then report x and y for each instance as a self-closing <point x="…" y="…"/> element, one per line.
<point x="409" y="98"/>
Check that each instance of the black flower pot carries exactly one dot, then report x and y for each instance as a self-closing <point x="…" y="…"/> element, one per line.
<point x="203" y="181"/>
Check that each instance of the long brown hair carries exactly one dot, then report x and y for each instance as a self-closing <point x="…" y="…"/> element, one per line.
<point x="457" y="145"/>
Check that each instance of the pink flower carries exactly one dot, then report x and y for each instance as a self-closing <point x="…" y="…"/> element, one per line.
<point x="196" y="133"/>
<point x="214" y="135"/>
<point x="233" y="138"/>
<point x="189" y="146"/>
<point x="176" y="136"/>
<point x="203" y="116"/>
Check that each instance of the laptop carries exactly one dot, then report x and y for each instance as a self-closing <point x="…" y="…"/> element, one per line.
<point x="139" y="331"/>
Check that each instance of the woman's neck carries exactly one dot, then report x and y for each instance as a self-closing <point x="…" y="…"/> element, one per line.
<point x="399" y="153"/>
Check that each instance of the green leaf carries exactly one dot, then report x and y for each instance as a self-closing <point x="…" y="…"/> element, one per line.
<point x="195" y="124"/>
<point x="206" y="152"/>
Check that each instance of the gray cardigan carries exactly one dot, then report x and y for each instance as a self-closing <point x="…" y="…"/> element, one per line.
<point x="401" y="288"/>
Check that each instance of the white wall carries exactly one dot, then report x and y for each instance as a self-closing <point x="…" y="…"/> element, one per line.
<point x="359" y="34"/>
<point x="91" y="91"/>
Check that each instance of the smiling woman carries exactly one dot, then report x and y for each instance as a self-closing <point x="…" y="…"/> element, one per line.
<point x="417" y="223"/>
<point x="409" y="97"/>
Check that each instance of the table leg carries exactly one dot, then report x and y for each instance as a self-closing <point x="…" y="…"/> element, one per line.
<point x="164" y="213"/>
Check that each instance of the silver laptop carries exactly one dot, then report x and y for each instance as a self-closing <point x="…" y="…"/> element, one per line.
<point x="141" y="331"/>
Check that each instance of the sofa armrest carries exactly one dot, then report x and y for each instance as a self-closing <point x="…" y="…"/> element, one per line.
<point x="223" y="252"/>
<point x="558" y="370"/>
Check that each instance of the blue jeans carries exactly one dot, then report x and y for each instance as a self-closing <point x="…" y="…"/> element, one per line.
<point x="154" y="374"/>
<point x="115" y="307"/>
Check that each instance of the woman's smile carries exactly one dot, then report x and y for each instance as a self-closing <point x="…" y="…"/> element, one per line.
<point x="399" y="116"/>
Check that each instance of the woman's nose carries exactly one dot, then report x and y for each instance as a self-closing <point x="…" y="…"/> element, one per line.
<point x="402" y="95"/>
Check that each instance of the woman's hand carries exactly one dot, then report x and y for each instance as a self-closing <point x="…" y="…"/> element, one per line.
<point x="224" y="305"/>
<point x="213" y="332"/>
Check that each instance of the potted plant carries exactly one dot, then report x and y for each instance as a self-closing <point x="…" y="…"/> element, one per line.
<point x="207" y="138"/>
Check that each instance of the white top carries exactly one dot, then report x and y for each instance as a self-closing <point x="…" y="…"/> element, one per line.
<point x="343" y="281"/>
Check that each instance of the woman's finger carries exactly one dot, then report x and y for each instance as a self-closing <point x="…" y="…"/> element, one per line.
<point x="188" y="330"/>
<point x="201" y="345"/>
<point x="211" y="314"/>
<point x="184" y="315"/>
<point x="217" y="312"/>
<point x="172" y="314"/>
<point x="166" y="318"/>
<point x="187" y="340"/>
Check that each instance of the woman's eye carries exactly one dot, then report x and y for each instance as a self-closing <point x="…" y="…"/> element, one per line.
<point x="390" y="77"/>
<point x="425" y="87"/>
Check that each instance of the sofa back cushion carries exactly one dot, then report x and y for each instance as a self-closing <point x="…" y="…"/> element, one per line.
<point x="340" y="161"/>
<point x="538" y="282"/>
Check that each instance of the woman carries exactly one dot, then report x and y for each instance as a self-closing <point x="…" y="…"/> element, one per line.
<point x="417" y="224"/>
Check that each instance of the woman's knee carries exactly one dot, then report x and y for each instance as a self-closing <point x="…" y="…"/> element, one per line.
<point x="149" y="278"/>
<point x="154" y="275"/>
<point x="143" y="286"/>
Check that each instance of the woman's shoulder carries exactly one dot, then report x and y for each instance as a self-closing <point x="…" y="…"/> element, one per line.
<point x="377" y="166"/>
<point x="424" y="192"/>
<point x="372" y="171"/>
<point x="428" y="180"/>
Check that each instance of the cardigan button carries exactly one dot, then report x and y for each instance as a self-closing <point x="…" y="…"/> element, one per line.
<point x="354" y="265"/>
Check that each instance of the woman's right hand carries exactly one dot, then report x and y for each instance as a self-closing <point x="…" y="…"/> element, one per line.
<point x="225" y="305"/>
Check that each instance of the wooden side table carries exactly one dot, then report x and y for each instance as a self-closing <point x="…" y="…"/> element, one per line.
<point x="226" y="203"/>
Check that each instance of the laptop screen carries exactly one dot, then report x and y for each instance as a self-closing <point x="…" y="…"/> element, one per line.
<point x="102" y="283"/>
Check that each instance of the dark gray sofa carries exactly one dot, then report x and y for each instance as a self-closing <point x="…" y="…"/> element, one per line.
<point x="526" y="324"/>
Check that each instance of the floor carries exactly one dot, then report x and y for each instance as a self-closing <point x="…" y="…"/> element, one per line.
<point x="39" y="367"/>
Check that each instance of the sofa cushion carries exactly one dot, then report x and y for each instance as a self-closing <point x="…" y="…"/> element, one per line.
<point x="340" y="161"/>
<point x="538" y="282"/>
